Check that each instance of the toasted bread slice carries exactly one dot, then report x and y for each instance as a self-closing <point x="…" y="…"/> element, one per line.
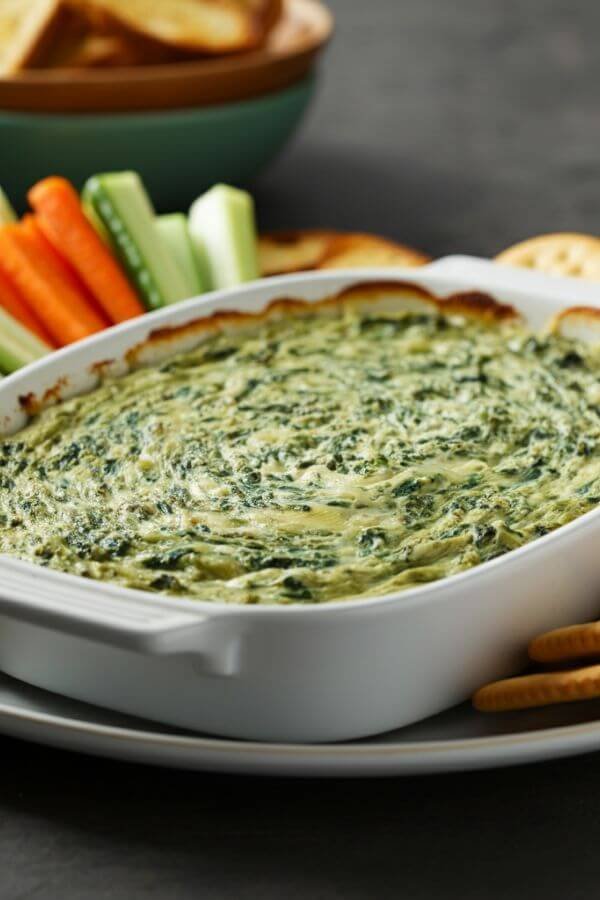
<point x="297" y="251"/>
<point x="90" y="42"/>
<point x="293" y="251"/>
<point x="571" y="254"/>
<point x="27" y="30"/>
<point x="359" y="251"/>
<point x="96" y="51"/>
<point x="200" y="26"/>
<point x="267" y="12"/>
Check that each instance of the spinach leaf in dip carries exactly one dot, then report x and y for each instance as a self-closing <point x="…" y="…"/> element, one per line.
<point x="309" y="459"/>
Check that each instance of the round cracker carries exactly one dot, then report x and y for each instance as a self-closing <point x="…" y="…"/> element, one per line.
<point x="572" y="642"/>
<point x="544" y="689"/>
<point x="571" y="254"/>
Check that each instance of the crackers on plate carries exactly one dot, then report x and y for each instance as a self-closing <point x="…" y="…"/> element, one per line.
<point x="571" y="642"/>
<point x="562" y="645"/>
<point x="542" y="689"/>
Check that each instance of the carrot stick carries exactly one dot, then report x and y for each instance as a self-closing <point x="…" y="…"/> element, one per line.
<point x="46" y="250"/>
<point x="32" y="227"/>
<point x="64" y="223"/>
<point x="44" y="253"/>
<point x="46" y="256"/>
<point x="14" y="304"/>
<point x="63" y="310"/>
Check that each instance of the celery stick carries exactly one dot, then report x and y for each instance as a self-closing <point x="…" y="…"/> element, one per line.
<point x="120" y="201"/>
<point x="174" y="231"/>
<point x="201" y="258"/>
<point x="222" y="225"/>
<point x="7" y="213"/>
<point x="18" y="346"/>
<point x="95" y="220"/>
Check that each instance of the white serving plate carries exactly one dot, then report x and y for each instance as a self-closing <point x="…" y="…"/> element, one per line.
<point x="456" y="740"/>
<point x="294" y="674"/>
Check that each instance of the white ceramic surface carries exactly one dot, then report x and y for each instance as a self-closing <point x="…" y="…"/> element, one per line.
<point x="456" y="740"/>
<point x="302" y="674"/>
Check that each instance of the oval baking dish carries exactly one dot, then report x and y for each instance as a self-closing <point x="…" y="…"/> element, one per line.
<point x="301" y="672"/>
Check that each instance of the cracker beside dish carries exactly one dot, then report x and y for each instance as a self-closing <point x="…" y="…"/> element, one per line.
<point x="568" y="254"/>
<point x="563" y="645"/>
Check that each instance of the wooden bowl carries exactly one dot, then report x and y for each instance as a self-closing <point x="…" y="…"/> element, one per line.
<point x="288" y="55"/>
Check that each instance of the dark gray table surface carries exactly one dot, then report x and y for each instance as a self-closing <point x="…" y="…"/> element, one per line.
<point x="457" y="127"/>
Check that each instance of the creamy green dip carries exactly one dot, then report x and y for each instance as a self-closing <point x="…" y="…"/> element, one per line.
<point x="311" y="459"/>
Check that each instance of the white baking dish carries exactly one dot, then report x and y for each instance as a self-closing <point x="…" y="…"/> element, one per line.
<point x="298" y="673"/>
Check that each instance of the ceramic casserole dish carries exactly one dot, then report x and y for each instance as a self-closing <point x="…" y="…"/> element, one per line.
<point x="296" y="673"/>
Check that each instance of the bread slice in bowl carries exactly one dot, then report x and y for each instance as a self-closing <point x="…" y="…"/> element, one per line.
<point x="189" y="26"/>
<point x="28" y="29"/>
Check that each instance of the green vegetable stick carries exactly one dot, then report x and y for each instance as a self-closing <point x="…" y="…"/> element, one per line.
<point x="222" y="226"/>
<point x="95" y="220"/>
<point x="201" y="261"/>
<point x="7" y="213"/>
<point x="175" y="233"/>
<point x="18" y="346"/>
<point x="119" y="200"/>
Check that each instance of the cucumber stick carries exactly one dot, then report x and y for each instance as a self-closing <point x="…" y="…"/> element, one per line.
<point x="7" y="213"/>
<point x="174" y="231"/>
<point x="18" y="346"/>
<point x="119" y="200"/>
<point x="222" y="226"/>
<point x="95" y="221"/>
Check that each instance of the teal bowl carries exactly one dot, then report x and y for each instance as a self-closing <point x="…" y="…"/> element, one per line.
<point x="179" y="153"/>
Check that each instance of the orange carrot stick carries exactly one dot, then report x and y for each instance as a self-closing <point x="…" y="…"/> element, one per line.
<point x="32" y="227"/>
<point x="64" y="223"/>
<point x="46" y="250"/>
<point x="46" y="256"/>
<point x="63" y="310"/>
<point x="14" y="304"/>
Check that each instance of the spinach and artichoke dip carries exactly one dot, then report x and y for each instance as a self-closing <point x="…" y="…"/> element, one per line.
<point x="310" y="458"/>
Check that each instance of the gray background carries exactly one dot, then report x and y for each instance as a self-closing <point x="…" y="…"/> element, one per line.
<point x="457" y="126"/>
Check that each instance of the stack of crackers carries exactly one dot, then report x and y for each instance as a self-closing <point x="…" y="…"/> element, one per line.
<point x="93" y="33"/>
<point x="569" y="645"/>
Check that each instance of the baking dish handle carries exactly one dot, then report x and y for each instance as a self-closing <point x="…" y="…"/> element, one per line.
<point x="489" y="275"/>
<point x="95" y="611"/>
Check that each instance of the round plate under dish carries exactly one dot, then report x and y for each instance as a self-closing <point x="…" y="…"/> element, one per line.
<point x="457" y="740"/>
